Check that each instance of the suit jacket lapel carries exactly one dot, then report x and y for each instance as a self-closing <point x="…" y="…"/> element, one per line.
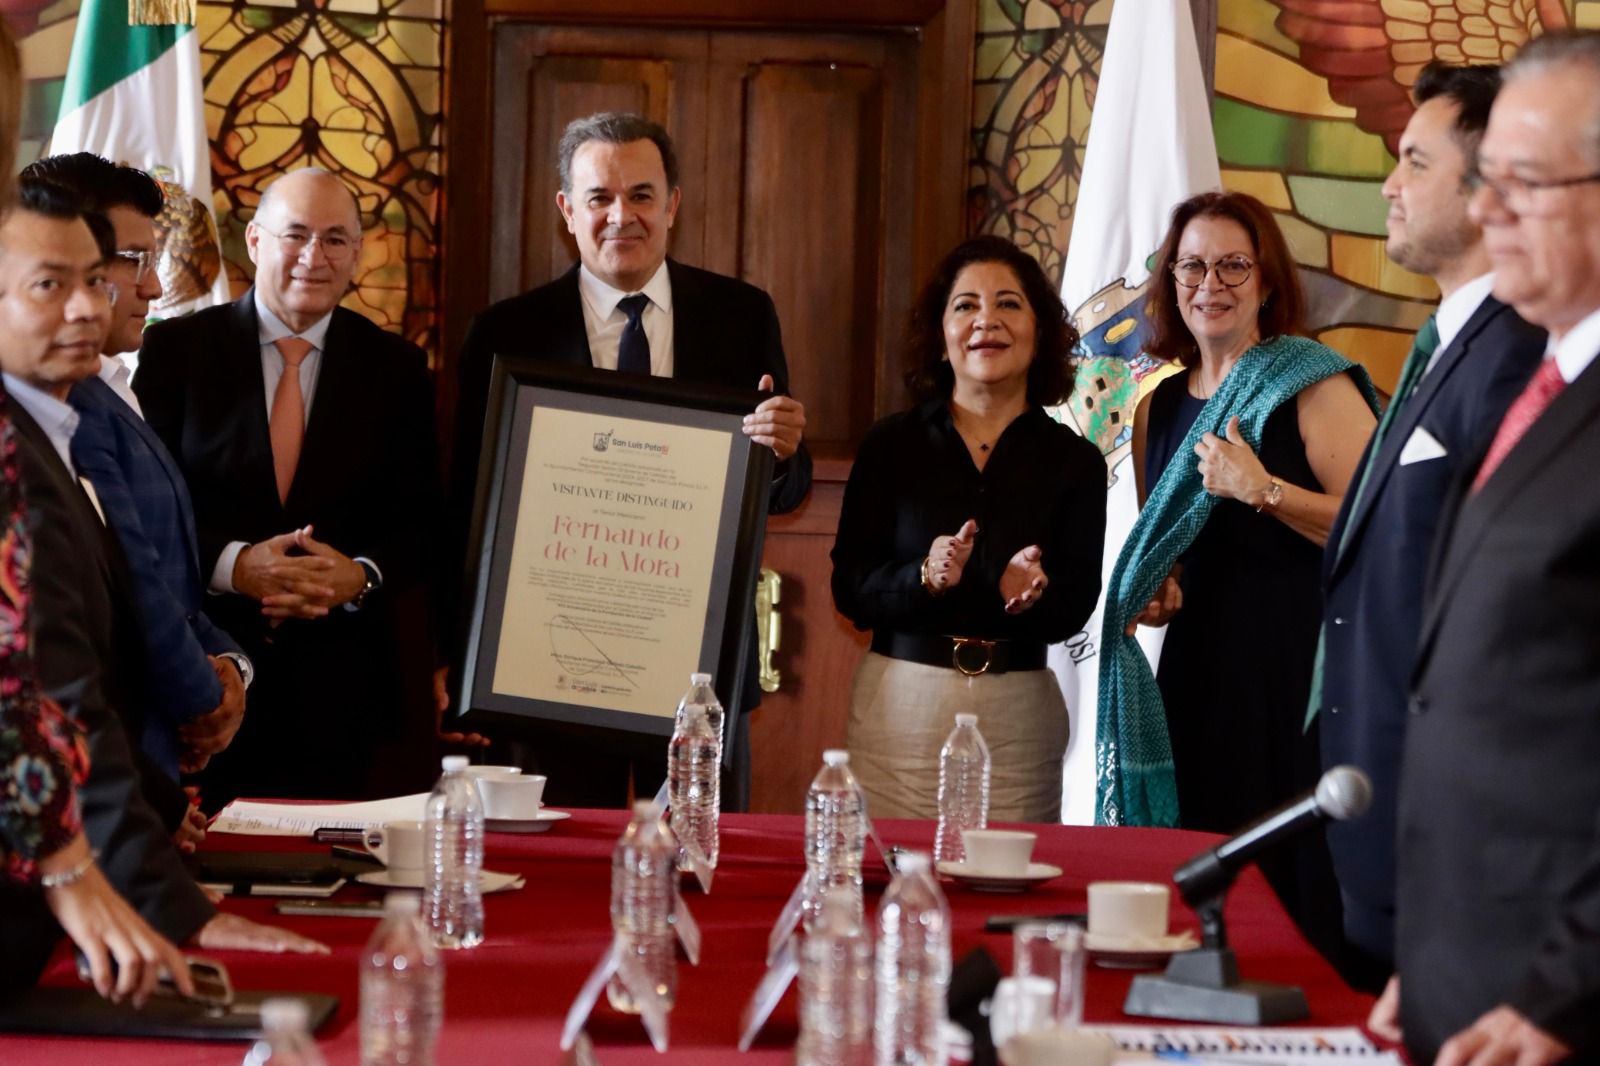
<point x="569" y="340"/>
<point x="1405" y="423"/>
<point x="689" y="315"/>
<point x="1573" y="410"/>
<point x="242" y="347"/>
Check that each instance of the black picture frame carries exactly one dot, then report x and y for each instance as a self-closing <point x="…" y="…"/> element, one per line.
<point x="518" y="387"/>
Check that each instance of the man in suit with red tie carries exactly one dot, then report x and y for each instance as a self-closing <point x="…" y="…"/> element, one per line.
<point x="1497" y="946"/>
<point x="306" y="435"/>
<point x="625" y="306"/>
<point x="1469" y="362"/>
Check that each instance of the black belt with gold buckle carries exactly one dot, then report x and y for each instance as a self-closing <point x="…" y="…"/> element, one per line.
<point x="972" y="656"/>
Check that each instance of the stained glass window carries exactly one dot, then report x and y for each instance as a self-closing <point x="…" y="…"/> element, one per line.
<point x="354" y="87"/>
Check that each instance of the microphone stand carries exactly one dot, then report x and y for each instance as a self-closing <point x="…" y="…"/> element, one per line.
<point x="1203" y="985"/>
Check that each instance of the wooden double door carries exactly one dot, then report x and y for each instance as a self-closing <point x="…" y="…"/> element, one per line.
<point x="822" y="156"/>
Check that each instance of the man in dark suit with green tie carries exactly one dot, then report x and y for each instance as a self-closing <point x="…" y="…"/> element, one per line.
<point x="1469" y="360"/>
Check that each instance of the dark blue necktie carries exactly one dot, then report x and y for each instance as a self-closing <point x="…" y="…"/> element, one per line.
<point x="633" y="354"/>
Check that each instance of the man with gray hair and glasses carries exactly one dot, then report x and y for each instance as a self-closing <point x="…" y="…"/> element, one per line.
<point x="625" y="306"/>
<point x="1498" y="902"/>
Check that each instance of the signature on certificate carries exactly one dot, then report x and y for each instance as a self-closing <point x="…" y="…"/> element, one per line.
<point x="576" y="653"/>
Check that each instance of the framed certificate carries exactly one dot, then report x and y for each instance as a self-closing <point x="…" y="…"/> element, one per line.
<point x="616" y="543"/>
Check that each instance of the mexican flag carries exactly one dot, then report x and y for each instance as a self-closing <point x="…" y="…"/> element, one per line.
<point x="133" y="94"/>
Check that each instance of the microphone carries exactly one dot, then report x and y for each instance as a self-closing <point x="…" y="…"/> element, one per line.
<point x="1344" y="792"/>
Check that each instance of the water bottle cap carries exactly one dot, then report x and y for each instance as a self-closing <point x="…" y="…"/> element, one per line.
<point x="911" y="862"/>
<point x="699" y="679"/>
<point x="285" y="1013"/>
<point x="455" y="764"/>
<point x="966" y="719"/>
<point x="402" y="903"/>
<point x="646" y="809"/>
<point x="836" y="757"/>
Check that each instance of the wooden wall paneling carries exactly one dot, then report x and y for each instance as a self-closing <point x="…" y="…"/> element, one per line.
<point x="544" y="78"/>
<point x="810" y="228"/>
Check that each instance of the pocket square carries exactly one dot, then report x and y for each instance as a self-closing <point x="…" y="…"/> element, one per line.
<point x="1421" y="447"/>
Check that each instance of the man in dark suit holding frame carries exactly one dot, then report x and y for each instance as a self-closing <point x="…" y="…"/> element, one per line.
<point x="1468" y="362"/>
<point x="627" y="307"/>
<point x="1499" y="822"/>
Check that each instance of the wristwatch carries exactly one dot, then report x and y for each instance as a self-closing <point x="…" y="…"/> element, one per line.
<point x="374" y="582"/>
<point x="242" y="663"/>
<point x="1272" y="497"/>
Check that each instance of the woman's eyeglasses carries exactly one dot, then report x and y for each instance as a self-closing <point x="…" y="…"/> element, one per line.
<point x="1232" y="271"/>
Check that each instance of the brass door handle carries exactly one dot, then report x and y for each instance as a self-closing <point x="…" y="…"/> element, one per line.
<point x="769" y="626"/>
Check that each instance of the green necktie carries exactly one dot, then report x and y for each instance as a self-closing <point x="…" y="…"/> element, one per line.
<point x="1422" y="350"/>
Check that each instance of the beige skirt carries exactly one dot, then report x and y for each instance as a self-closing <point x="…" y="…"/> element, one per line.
<point x="902" y="712"/>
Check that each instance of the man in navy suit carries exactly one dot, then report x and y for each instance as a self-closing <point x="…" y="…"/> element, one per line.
<point x="1471" y="358"/>
<point x="627" y="307"/>
<point x="198" y="674"/>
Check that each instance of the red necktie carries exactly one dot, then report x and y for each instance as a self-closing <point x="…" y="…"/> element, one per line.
<point x="1524" y="412"/>
<point x="287" y="426"/>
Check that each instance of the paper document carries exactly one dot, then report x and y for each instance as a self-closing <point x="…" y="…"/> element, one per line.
<point x="302" y="819"/>
<point x="1217" y="1044"/>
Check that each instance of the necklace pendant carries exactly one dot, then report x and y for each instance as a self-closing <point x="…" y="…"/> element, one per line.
<point x="983" y="447"/>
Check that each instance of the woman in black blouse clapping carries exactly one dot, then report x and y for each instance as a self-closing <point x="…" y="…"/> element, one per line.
<point x="970" y="538"/>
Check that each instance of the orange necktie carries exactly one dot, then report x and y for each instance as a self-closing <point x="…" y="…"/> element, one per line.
<point x="287" y="427"/>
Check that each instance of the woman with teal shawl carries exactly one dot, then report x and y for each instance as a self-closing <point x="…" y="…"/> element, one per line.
<point x="1241" y="461"/>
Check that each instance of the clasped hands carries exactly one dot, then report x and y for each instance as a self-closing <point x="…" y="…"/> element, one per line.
<point x="1021" y="584"/>
<point x="294" y="575"/>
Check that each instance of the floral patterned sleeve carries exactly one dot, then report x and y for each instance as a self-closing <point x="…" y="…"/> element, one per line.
<point x="43" y="754"/>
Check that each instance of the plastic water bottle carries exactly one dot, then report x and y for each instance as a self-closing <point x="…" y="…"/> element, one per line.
<point x="912" y="967"/>
<point x="836" y="987"/>
<point x="963" y="788"/>
<point x="286" y="1036"/>
<point x="452" y="898"/>
<point x="644" y="894"/>
<point x="695" y="785"/>
<point x="402" y="988"/>
<point x="701" y="694"/>
<point x="835" y="834"/>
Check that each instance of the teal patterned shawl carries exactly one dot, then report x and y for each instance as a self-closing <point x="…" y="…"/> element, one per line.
<point x="1134" y="782"/>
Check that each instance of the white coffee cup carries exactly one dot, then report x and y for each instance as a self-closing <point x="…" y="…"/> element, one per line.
<point x="511" y="798"/>
<point x="399" y="846"/>
<point x="480" y="772"/>
<point x="1128" y="910"/>
<point x="1000" y="852"/>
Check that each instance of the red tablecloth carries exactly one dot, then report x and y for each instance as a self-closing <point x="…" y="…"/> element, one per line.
<point x="505" y="1000"/>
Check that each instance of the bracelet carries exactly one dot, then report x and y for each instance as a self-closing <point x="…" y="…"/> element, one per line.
<point x="69" y="877"/>
<point x="927" y="582"/>
<point x="1271" y="497"/>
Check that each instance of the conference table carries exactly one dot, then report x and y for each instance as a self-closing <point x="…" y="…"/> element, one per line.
<point x="506" y="999"/>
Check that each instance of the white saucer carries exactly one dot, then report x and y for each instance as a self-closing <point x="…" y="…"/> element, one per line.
<point x="537" y="824"/>
<point x="489" y="880"/>
<point x="1037" y="873"/>
<point x="1136" y="953"/>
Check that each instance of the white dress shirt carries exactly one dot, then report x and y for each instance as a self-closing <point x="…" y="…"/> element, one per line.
<point x="57" y="418"/>
<point x="117" y="371"/>
<point x="604" y="321"/>
<point x="1453" y="312"/>
<point x="1575" y="351"/>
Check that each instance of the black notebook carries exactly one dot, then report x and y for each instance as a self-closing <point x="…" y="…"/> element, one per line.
<point x="81" y="1012"/>
<point x="274" y="873"/>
